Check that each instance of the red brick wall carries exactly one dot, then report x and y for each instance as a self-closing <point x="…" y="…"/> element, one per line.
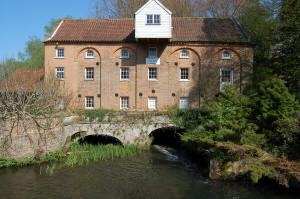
<point x="204" y="75"/>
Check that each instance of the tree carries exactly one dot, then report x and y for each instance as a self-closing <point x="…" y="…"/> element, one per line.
<point x="258" y="21"/>
<point x="275" y="110"/>
<point x="221" y="8"/>
<point x="33" y="57"/>
<point x="127" y="8"/>
<point x="287" y="58"/>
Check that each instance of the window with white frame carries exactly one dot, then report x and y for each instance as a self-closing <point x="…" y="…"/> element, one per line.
<point x="152" y="52"/>
<point x="89" y="54"/>
<point x="184" y="74"/>
<point x="152" y="73"/>
<point x="156" y="19"/>
<point x="124" y="102"/>
<point x="226" y="55"/>
<point x="149" y="19"/>
<point x="226" y="78"/>
<point x="124" y="54"/>
<point x="185" y="54"/>
<point x="184" y="102"/>
<point x="124" y="73"/>
<point x="60" y="52"/>
<point x="89" y="102"/>
<point x="89" y="73"/>
<point x="153" y="19"/>
<point x="60" y="73"/>
<point x="152" y="103"/>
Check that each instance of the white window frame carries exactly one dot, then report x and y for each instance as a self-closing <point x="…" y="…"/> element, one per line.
<point x="184" y="102"/>
<point x="86" y="73"/>
<point x="88" y="56"/>
<point x="124" y="57"/>
<point x="152" y="103"/>
<point x="122" y="105"/>
<point x="152" y="79"/>
<point x="124" y="68"/>
<point x="156" y="21"/>
<point x="89" y="102"/>
<point x="149" y="21"/>
<point x="155" y="53"/>
<point x="226" y="57"/>
<point x="183" y="55"/>
<point x="222" y="84"/>
<point x="188" y="79"/>
<point x="60" y="72"/>
<point x="60" y="54"/>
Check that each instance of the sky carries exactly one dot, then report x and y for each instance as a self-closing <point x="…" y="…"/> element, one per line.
<point x="21" y="19"/>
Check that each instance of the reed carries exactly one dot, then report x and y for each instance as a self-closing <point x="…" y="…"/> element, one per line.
<point x="81" y="154"/>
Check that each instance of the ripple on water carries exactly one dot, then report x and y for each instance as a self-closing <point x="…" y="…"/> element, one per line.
<point x="158" y="174"/>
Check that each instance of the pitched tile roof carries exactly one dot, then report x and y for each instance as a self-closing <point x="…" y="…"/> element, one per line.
<point x="194" y="29"/>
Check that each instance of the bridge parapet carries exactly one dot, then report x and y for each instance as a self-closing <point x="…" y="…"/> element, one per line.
<point x="128" y="128"/>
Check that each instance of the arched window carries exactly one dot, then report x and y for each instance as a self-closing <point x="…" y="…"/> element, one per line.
<point x="89" y="54"/>
<point x="124" y="54"/>
<point x="185" y="54"/>
<point x="226" y="55"/>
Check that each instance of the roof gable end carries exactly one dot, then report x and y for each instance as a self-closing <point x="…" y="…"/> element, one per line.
<point x="149" y="2"/>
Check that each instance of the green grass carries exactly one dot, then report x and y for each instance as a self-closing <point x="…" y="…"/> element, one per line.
<point x="95" y="114"/>
<point x="13" y="162"/>
<point x="81" y="154"/>
<point x="4" y="162"/>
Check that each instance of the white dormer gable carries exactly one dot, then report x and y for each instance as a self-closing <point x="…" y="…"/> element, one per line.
<point x="153" y="20"/>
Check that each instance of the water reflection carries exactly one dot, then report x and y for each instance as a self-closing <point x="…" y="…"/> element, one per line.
<point x="160" y="173"/>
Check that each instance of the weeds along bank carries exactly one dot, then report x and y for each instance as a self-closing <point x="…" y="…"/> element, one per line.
<point x="252" y="135"/>
<point x="79" y="154"/>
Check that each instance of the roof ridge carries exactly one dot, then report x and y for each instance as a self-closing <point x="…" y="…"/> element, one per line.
<point x="204" y="17"/>
<point x="106" y="19"/>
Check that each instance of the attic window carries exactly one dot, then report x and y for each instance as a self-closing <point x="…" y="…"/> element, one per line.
<point x="226" y="55"/>
<point x="184" y="54"/>
<point x="124" y="54"/>
<point x="153" y="19"/>
<point x="89" y="54"/>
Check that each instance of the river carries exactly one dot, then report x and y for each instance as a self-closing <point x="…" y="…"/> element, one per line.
<point x="161" y="173"/>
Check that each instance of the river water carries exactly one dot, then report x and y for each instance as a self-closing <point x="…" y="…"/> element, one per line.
<point x="161" y="173"/>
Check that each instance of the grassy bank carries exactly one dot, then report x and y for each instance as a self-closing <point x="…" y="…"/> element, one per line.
<point x="4" y="162"/>
<point x="81" y="154"/>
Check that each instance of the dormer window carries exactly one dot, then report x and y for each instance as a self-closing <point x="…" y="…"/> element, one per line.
<point x="124" y="54"/>
<point x="226" y="55"/>
<point x="152" y="52"/>
<point x="89" y="54"/>
<point x="149" y="19"/>
<point x="153" y="19"/>
<point x="184" y="54"/>
<point x="156" y="19"/>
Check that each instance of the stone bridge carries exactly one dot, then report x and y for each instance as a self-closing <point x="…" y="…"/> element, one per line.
<point x="127" y="131"/>
<point x="128" y="128"/>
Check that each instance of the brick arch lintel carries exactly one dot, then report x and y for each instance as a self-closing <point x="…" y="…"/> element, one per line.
<point x="124" y="47"/>
<point x="88" y="47"/>
<point x="187" y="48"/>
<point x="227" y="49"/>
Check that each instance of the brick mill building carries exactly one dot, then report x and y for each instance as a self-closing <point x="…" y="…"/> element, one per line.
<point x="152" y="61"/>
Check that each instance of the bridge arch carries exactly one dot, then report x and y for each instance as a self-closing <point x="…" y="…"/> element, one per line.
<point x="168" y="136"/>
<point x="100" y="139"/>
